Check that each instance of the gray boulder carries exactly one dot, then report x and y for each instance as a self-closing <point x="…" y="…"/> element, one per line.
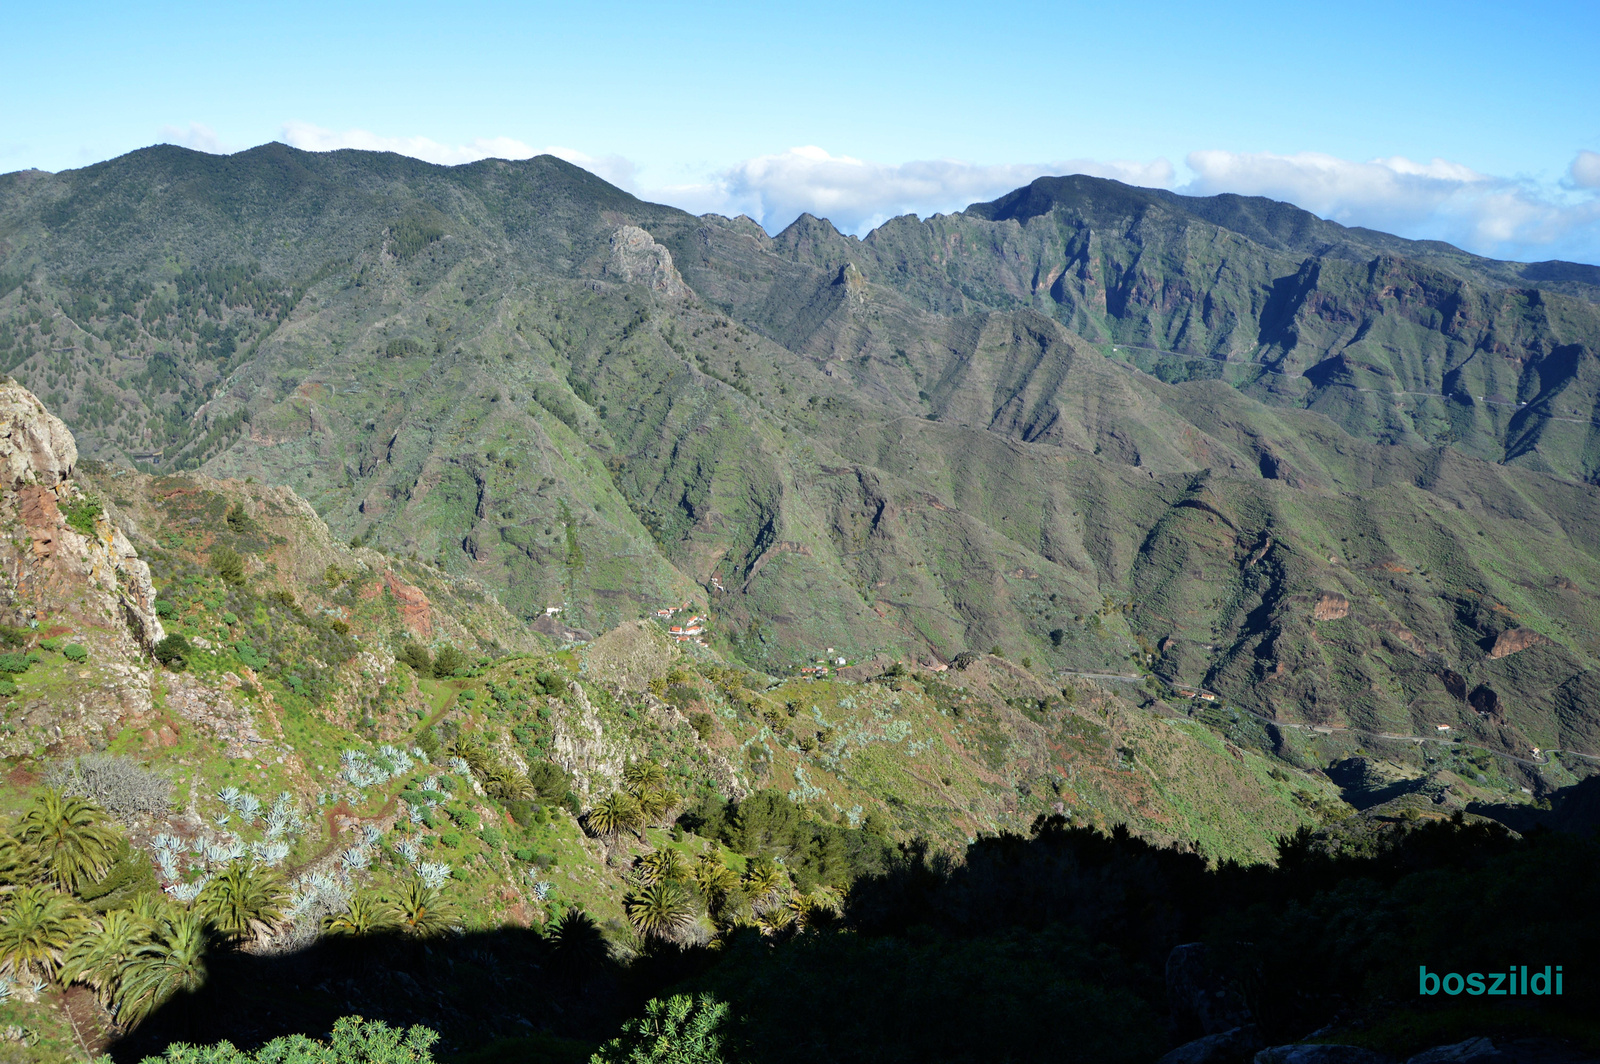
<point x="1225" y="1047"/>
<point x="1472" y="1051"/>
<point x="1320" y="1054"/>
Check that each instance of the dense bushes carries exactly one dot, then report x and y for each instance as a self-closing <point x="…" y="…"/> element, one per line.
<point x="173" y="651"/>
<point x="448" y="662"/>
<point x="269" y="632"/>
<point x="769" y="824"/>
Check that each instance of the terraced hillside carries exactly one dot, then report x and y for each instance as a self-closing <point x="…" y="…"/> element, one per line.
<point x="943" y="438"/>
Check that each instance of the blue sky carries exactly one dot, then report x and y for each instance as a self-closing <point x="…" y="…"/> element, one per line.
<point x="1473" y="122"/>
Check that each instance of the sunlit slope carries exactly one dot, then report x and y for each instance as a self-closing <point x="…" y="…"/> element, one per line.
<point x="1100" y="428"/>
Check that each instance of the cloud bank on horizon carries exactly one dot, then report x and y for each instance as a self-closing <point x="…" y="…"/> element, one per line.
<point x="1504" y="217"/>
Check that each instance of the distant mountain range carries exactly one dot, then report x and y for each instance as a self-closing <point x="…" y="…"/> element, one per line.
<point x="1337" y="477"/>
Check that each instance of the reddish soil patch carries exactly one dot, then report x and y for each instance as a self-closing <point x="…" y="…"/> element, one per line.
<point x="415" y="610"/>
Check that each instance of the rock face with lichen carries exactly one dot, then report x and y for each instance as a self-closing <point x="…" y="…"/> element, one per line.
<point x="637" y="259"/>
<point x="86" y="567"/>
<point x="35" y="447"/>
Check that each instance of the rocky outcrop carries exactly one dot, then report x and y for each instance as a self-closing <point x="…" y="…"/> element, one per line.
<point x="1320" y="1054"/>
<point x="630" y="654"/>
<point x="637" y="259"/>
<point x="581" y="747"/>
<point x="1331" y="606"/>
<point x="35" y="447"/>
<point x="1513" y="641"/>
<point x="1226" y="1047"/>
<point x="1472" y="1051"/>
<point x="61" y="562"/>
<point x="853" y="281"/>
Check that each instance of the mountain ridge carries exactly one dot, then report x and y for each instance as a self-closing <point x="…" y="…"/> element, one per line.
<point x="942" y="437"/>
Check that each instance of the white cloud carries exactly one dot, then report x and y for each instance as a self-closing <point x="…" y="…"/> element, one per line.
<point x="1437" y="199"/>
<point x="196" y="136"/>
<point x="856" y="195"/>
<point x="1585" y="170"/>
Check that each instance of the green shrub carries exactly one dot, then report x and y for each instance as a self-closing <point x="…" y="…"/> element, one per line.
<point x="405" y="347"/>
<point x="75" y="652"/>
<point x="535" y="858"/>
<point x="679" y="1030"/>
<point x="527" y="814"/>
<point x="550" y="780"/>
<point x="448" y="661"/>
<point x="416" y="656"/>
<point x="250" y="656"/>
<point x="53" y="643"/>
<point x="229" y="565"/>
<point x="166" y="609"/>
<point x="230" y="618"/>
<point x="493" y="838"/>
<point x="15" y="664"/>
<point x="464" y="818"/>
<point x="7" y="689"/>
<point x="81" y="514"/>
<point x="239" y="521"/>
<point x="450" y="839"/>
<point x="353" y="1041"/>
<point x="173" y="652"/>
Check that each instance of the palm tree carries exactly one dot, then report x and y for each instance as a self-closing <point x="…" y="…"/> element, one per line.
<point x="654" y="802"/>
<point x="242" y="901"/>
<point x="642" y="776"/>
<point x="659" y="865"/>
<point x="173" y="960"/>
<point x="72" y="837"/>
<point x="576" y="942"/>
<point x="365" y="914"/>
<point x="776" y="920"/>
<point x="763" y="878"/>
<point x="618" y="812"/>
<point x="19" y="863"/>
<point x="97" y="958"/>
<point x="660" y="910"/>
<point x="712" y="876"/>
<point x="471" y="748"/>
<point x="36" y="927"/>
<point x="506" y="783"/>
<point x="421" y="911"/>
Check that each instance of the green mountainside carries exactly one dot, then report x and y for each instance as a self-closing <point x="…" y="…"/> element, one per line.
<point x="1057" y="584"/>
<point x="1218" y="442"/>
